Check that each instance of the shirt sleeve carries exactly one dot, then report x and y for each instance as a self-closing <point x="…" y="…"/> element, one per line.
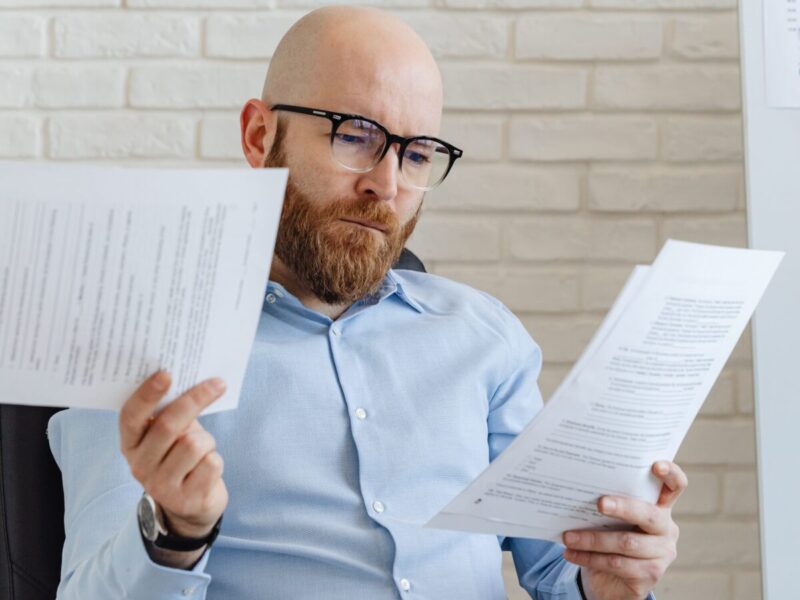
<point x="104" y="554"/>
<point x="541" y="568"/>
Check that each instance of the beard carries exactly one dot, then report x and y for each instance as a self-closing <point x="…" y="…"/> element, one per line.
<point x="339" y="262"/>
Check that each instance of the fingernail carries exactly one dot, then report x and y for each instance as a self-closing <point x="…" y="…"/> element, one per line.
<point x="662" y="468"/>
<point x="609" y="504"/>
<point x="217" y="384"/>
<point x="161" y="381"/>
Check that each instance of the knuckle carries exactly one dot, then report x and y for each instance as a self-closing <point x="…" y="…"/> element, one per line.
<point x="615" y="561"/>
<point x="629" y="541"/>
<point x="214" y="461"/>
<point x="165" y="427"/>
<point x="138" y="471"/>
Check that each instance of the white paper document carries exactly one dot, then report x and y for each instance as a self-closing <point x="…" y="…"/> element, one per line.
<point x="628" y="401"/>
<point x="108" y="274"/>
<point x="782" y="52"/>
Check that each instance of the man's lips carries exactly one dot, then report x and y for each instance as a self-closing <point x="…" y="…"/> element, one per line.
<point x="365" y="223"/>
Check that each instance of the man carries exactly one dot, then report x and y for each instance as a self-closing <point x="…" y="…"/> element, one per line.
<point x="372" y="396"/>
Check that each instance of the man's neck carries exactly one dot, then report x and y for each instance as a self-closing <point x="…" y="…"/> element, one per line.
<point x="280" y="273"/>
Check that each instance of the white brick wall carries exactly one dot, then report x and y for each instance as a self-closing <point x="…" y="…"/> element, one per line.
<point x="592" y="129"/>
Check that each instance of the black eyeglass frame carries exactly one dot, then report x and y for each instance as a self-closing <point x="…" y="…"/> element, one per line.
<point x="337" y="119"/>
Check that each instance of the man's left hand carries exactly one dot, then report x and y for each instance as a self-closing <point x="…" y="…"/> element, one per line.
<point x="626" y="565"/>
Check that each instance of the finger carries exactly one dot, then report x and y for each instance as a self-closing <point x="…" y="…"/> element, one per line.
<point x="648" y="517"/>
<point x="134" y="417"/>
<point x="204" y="477"/>
<point x="173" y="421"/>
<point x="625" y="543"/>
<point x="674" y="479"/>
<point x="185" y="454"/>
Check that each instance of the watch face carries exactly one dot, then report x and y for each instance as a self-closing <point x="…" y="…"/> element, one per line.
<point x="147" y="519"/>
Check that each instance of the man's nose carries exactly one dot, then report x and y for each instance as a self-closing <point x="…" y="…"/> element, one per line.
<point x="381" y="181"/>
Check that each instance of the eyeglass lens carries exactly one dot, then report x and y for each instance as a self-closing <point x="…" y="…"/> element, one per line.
<point x="358" y="144"/>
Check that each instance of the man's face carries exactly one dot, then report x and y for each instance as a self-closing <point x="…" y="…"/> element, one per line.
<point x="341" y="248"/>
<point x="341" y="231"/>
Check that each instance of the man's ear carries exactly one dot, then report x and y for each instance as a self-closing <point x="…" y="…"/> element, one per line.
<point x="257" y="124"/>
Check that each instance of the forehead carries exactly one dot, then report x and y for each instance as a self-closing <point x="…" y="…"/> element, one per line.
<point x="402" y="92"/>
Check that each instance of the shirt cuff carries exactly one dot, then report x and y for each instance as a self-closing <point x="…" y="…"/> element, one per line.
<point x="140" y="577"/>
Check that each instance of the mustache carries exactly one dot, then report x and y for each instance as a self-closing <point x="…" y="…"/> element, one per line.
<point x="375" y="211"/>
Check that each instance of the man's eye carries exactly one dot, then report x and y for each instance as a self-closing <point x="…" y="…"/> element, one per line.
<point x="350" y="139"/>
<point x="417" y="158"/>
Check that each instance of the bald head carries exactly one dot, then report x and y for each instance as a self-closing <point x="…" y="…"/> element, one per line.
<point x="358" y="60"/>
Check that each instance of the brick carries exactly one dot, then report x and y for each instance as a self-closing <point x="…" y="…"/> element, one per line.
<point x="588" y="37"/>
<point x="118" y="136"/>
<point x="745" y="391"/>
<point x="743" y="351"/>
<point x="718" y="443"/>
<point x="721" y="230"/>
<point x="22" y="36"/>
<point x="456" y="36"/>
<point x="17" y="88"/>
<point x="691" y="585"/>
<point x="602" y="285"/>
<point x="71" y="86"/>
<point x="740" y="493"/>
<point x="513" y="87"/>
<point x="551" y="376"/>
<point x="583" y="138"/>
<point x="562" y="339"/>
<point x="512" y="3"/>
<point x="220" y="137"/>
<point x="693" y="139"/>
<point x="701" y="497"/>
<point x="60" y="3"/>
<point x="723" y="544"/>
<point x="473" y="187"/>
<point x="480" y="137"/>
<point x="453" y="238"/>
<point x="721" y="399"/>
<point x="19" y="137"/>
<point x="126" y="35"/>
<point x="705" y="37"/>
<point x="747" y="585"/>
<point x="207" y="86"/>
<point x="522" y="289"/>
<point x="374" y="3"/>
<point x="198" y="3"/>
<point x="667" y="88"/>
<point x="649" y="189"/>
<point x="662" y="4"/>
<point x="250" y="36"/>
<point x="571" y="238"/>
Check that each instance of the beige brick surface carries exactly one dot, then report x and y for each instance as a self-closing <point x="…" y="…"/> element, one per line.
<point x="592" y="130"/>
<point x="664" y="190"/>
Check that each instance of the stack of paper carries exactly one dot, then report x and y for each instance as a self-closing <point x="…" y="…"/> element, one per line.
<point x="628" y="401"/>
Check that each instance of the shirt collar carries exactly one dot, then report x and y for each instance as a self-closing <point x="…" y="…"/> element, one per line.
<point x="390" y="285"/>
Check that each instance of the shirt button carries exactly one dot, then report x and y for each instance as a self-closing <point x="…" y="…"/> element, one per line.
<point x="361" y="413"/>
<point x="271" y="298"/>
<point x="378" y="506"/>
<point x="405" y="584"/>
<point x="188" y="591"/>
<point x="335" y="331"/>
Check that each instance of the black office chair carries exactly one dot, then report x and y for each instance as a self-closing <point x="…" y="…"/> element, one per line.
<point x="32" y="499"/>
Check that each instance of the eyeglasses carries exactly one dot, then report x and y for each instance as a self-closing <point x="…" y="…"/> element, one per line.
<point x="358" y="144"/>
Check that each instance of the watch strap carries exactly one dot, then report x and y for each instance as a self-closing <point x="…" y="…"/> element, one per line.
<point x="172" y="541"/>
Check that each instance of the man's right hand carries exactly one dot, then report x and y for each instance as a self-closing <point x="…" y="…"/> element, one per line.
<point x="172" y="456"/>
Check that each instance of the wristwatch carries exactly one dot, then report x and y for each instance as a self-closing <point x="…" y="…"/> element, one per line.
<point x="151" y="524"/>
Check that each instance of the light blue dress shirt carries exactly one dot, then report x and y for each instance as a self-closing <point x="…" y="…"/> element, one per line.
<point x="349" y="435"/>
